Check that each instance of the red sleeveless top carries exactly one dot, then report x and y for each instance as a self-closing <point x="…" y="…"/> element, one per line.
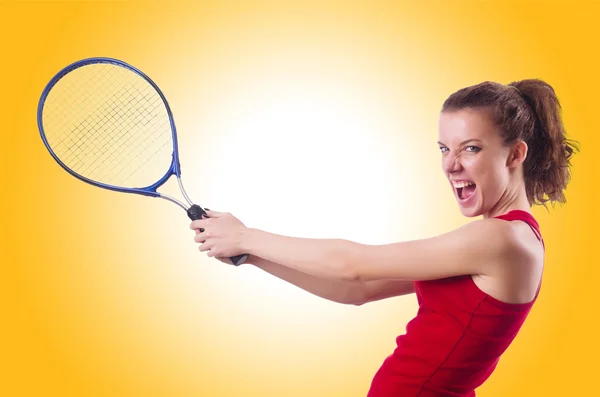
<point x="456" y="339"/>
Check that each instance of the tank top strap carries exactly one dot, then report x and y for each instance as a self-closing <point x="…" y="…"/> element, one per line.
<point x="520" y="215"/>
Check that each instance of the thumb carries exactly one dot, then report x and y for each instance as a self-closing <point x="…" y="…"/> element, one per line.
<point x="226" y="261"/>
<point x="214" y="214"/>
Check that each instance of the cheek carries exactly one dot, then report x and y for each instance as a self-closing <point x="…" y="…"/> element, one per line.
<point x="475" y="167"/>
<point x="488" y="173"/>
<point x="494" y="178"/>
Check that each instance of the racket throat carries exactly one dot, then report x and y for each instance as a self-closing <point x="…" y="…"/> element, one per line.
<point x="195" y="212"/>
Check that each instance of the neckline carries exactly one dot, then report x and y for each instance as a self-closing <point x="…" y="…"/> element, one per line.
<point x="514" y="214"/>
<point x="527" y="217"/>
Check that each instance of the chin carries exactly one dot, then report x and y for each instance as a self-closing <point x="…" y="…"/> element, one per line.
<point x="471" y="209"/>
<point x="469" y="206"/>
<point x="470" y="212"/>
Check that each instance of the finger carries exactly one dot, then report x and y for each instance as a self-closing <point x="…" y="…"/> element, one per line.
<point x="204" y="247"/>
<point x="200" y="238"/>
<point x="215" y="214"/>
<point x="199" y="223"/>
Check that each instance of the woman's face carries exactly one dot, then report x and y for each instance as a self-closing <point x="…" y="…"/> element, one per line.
<point x="475" y="160"/>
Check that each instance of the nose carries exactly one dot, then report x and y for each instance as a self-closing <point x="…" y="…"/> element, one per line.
<point x="451" y="163"/>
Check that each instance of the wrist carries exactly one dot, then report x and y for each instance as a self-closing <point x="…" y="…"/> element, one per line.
<point x="248" y="236"/>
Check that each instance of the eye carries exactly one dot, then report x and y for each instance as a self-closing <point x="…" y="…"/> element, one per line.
<point x="443" y="149"/>
<point x="473" y="149"/>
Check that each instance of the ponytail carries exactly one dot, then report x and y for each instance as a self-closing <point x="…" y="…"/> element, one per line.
<point x="547" y="167"/>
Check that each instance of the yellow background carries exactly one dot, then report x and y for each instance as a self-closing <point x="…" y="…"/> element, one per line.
<point x="306" y="118"/>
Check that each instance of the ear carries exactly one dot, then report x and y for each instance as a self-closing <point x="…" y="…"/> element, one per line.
<point x="518" y="154"/>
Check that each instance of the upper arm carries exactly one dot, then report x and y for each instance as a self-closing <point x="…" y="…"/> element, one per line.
<point x="473" y="249"/>
<point x="382" y="289"/>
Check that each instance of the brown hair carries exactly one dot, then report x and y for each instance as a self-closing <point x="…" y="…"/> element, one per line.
<point x="527" y="110"/>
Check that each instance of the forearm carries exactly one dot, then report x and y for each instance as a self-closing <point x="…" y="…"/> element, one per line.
<point x="345" y="292"/>
<point x="321" y="258"/>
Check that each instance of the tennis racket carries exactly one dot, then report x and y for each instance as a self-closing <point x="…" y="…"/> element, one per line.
<point x="109" y="125"/>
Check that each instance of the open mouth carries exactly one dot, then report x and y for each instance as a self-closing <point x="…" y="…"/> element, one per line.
<point x="464" y="190"/>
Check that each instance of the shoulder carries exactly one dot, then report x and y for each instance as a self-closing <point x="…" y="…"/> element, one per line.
<point x="508" y="242"/>
<point x="489" y="233"/>
<point x="512" y="274"/>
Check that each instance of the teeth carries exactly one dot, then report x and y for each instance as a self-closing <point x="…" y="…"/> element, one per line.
<point x="461" y="184"/>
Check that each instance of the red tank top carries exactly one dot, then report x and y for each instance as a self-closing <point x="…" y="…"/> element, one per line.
<point x="456" y="339"/>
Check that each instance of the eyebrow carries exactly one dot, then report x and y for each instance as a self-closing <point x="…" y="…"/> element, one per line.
<point x="463" y="142"/>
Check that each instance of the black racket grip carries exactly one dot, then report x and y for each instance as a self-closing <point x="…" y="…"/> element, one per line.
<point x="196" y="212"/>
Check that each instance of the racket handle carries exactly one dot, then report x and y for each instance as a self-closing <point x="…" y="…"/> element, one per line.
<point x="196" y="212"/>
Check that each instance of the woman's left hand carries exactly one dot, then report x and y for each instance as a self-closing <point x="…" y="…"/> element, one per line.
<point x="221" y="234"/>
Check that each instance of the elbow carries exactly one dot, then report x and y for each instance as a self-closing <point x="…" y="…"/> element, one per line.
<point x="341" y="262"/>
<point x="349" y="261"/>
<point x="348" y="273"/>
<point x="355" y="295"/>
<point x="359" y="302"/>
<point x="350" y="301"/>
<point x="344" y="263"/>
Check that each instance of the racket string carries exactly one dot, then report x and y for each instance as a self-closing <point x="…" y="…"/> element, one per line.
<point x="108" y="124"/>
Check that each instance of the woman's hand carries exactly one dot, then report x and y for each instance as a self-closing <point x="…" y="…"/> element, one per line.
<point x="221" y="235"/>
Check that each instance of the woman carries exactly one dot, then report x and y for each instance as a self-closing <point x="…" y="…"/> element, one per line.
<point x="503" y="150"/>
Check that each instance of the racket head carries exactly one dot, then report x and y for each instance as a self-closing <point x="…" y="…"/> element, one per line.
<point x="108" y="124"/>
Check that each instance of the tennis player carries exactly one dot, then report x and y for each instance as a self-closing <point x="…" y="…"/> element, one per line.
<point x="503" y="149"/>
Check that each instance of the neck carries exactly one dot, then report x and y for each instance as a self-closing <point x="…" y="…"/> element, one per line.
<point x="515" y="199"/>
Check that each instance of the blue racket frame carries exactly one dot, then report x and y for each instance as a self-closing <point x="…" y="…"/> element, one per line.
<point x="194" y="211"/>
<point x="151" y="190"/>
